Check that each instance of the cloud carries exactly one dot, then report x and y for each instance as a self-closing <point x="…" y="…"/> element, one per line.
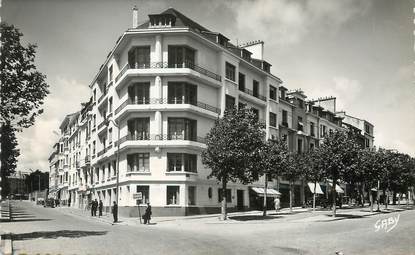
<point x="35" y="143"/>
<point x="287" y="22"/>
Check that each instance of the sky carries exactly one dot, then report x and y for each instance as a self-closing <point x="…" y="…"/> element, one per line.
<point x="360" y="51"/>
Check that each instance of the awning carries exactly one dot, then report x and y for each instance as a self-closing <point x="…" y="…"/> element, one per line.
<point x="318" y="188"/>
<point x="373" y="189"/>
<point x="338" y="188"/>
<point x="270" y="192"/>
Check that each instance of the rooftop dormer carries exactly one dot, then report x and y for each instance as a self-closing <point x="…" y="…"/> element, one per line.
<point x="162" y="20"/>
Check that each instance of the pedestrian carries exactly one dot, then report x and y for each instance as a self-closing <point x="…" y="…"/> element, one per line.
<point x="277" y="203"/>
<point x="100" y="206"/>
<point x="91" y="205"/>
<point x="95" y="207"/>
<point x="115" y="211"/>
<point x="147" y="214"/>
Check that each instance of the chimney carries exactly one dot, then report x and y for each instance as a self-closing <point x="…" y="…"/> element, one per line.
<point x="135" y="16"/>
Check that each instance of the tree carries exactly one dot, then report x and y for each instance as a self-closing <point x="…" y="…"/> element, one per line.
<point x="313" y="171"/>
<point x="337" y="155"/>
<point x="232" y="152"/>
<point x="274" y="158"/>
<point x="368" y="166"/>
<point x="294" y="171"/>
<point x="23" y="88"/>
<point x="9" y="154"/>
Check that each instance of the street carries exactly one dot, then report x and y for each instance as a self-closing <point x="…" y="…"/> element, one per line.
<point x="47" y="230"/>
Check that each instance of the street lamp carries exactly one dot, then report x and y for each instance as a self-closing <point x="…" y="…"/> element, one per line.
<point x="118" y="156"/>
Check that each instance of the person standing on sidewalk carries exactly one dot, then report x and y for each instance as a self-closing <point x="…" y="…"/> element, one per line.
<point x="95" y="207"/>
<point x="91" y="205"/>
<point x="100" y="206"/>
<point x="277" y="203"/>
<point x="115" y="212"/>
<point x="147" y="214"/>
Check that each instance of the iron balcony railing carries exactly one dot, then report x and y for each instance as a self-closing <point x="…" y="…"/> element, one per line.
<point x="166" y="101"/>
<point x="254" y="94"/>
<point x="87" y="159"/>
<point x="153" y="65"/>
<point x="159" y="137"/>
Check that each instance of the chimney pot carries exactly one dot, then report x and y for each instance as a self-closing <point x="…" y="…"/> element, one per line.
<point x="135" y="16"/>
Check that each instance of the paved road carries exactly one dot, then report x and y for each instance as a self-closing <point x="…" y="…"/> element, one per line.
<point x="47" y="230"/>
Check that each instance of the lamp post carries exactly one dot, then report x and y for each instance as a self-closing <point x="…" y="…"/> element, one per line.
<point x="118" y="157"/>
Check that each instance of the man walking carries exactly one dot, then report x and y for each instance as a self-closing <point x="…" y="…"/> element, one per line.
<point x="115" y="212"/>
<point x="95" y="207"/>
<point x="147" y="214"/>
<point x="100" y="206"/>
<point x="91" y="205"/>
<point x="277" y="203"/>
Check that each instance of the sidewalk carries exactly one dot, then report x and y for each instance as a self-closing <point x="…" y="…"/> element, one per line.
<point x="298" y="215"/>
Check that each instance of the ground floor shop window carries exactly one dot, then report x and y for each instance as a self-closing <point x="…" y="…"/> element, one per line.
<point x="228" y="195"/>
<point x="173" y="194"/>
<point x="192" y="195"/>
<point x="145" y="191"/>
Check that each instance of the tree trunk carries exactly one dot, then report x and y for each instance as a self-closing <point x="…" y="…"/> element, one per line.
<point x="378" y="196"/>
<point x="386" y="192"/>
<point x="291" y="197"/>
<point x="371" y="199"/>
<point x="399" y="199"/>
<point x="314" y="197"/>
<point x="223" y="209"/>
<point x="265" y="196"/>
<point x="333" y="194"/>
<point x="363" y="194"/>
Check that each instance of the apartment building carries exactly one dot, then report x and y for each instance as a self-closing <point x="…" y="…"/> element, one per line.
<point x="362" y="128"/>
<point x="153" y="101"/>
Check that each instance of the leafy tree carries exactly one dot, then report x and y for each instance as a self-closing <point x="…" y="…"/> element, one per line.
<point x="232" y="152"/>
<point x="37" y="181"/>
<point x="23" y="88"/>
<point x="9" y="154"/>
<point x="337" y="155"/>
<point x="294" y="171"/>
<point x="313" y="172"/>
<point x="274" y="158"/>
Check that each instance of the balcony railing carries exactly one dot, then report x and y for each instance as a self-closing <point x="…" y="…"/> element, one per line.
<point x="87" y="159"/>
<point x="254" y="94"/>
<point x="189" y="65"/>
<point x="101" y="124"/>
<point x="159" y="137"/>
<point x="165" y="101"/>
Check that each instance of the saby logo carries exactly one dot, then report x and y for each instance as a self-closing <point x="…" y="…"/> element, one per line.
<point x="387" y="224"/>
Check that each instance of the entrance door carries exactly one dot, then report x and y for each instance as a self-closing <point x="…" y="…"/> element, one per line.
<point x="240" y="199"/>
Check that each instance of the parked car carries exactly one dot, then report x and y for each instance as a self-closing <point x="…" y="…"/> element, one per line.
<point x="50" y="202"/>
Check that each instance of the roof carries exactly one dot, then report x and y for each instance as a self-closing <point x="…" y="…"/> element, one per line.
<point x="66" y="120"/>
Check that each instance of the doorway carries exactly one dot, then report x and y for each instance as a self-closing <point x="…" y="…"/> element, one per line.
<point x="240" y="200"/>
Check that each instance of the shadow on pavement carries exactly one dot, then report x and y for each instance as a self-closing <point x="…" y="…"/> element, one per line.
<point x="57" y="234"/>
<point x="253" y="217"/>
<point x="26" y="220"/>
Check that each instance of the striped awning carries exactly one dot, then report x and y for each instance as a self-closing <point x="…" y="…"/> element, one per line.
<point x="270" y="192"/>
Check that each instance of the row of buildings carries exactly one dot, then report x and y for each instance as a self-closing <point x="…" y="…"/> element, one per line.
<point x="156" y="97"/>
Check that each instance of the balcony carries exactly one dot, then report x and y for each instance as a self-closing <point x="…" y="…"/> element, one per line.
<point x="253" y="93"/>
<point x="157" y="65"/>
<point x="165" y="101"/>
<point x="160" y="137"/>
<point x="87" y="160"/>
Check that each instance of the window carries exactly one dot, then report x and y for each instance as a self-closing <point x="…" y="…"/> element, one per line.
<point x="109" y="170"/>
<point x="272" y="119"/>
<point x="182" y="93"/>
<point x="301" y="103"/>
<point x="229" y="102"/>
<point x="272" y="92"/>
<point x="173" y="194"/>
<point x="182" y="129"/>
<point x="138" y="128"/>
<point x="282" y="93"/>
<point x="110" y="136"/>
<point x="255" y="88"/>
<point x="323" y="131"/>
<point x="284" y="118"/>
<point x="145" y="192"/>
<point x="230" y="71"/>
<point x="139" y="93"/>
<point x="110" y="105"/>
<point x="300" y="146"/>
<point x="312" y="133"/>
<point x="367" y="143"/>
<point x="256" y="113"/>
<point x="241" y="106"/>
<point x="139" y="57"/>
<point x="228" y="195"/>
<point x="110" y="73"/>
<point x="241" y="84"/>
<point x="311" y="146"/>
<point x="300" y="124"/>
<point x="95" y="95"/>
<point x="367" y="128"/>
<point x="181" y="56"/>
<point x="93" y="147"/>
<point x="114" y="166"/>
<point x="138" y="162"/>
<point x="210" y="192"/>
<point x="192" y="195"/>
<point x="177" y="162"/>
